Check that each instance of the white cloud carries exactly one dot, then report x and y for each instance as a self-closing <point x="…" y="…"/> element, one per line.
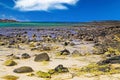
<point x="42" y="5"/>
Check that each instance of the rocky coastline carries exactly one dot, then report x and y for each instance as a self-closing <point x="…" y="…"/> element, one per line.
<point x="67" y="53"/>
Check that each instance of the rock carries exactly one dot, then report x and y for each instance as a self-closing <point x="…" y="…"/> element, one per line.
<point x="65" y="52"/>
<point x="46" y="48"/>
<point x="25" y="56"/>
<point x="15" y="57"/>
<point x="112" y="60"/>
<point x="2" y="43"/>
<point x="51" y="71"/>
<point x="42" y="57"/>
<point x="76" y="52"/>
<point x="10" y="77"/>
<point x="66" y="43"/>
<point x="61" y="69"/>
<point x="72" y="44"/>
<point x="10" y="63"/>
<point x="24" y="69"/>
<point x="43" y="74"/>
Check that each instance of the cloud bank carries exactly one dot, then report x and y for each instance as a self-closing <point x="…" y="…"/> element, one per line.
<point x="42" y="5"/>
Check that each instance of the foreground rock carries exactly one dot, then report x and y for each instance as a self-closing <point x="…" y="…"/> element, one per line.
<point x="61" y="69"/>
<point x="42" y="57"/>
<point x="24" y="69"/>
<point x="111" y="60"/>
<point x="10" y="63"/>
<point x="43" y="74"/>
<point x="10" y="77"/>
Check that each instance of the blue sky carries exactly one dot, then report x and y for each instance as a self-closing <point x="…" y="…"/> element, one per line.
<point x="60" y="10"/>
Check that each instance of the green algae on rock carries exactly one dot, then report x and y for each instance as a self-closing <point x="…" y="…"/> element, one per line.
<point x="43" y="74"/>
<point x="10" y="77"/>
<point x="10" y="63"/>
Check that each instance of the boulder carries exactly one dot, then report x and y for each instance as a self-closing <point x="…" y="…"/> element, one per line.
<point x="25" y="56"/>
<point x="24" y="69"/>
<point x="42" y="57"/>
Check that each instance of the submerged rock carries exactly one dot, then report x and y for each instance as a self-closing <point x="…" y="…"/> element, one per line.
<point x="24" y="69"/>
<point x="42" y="57"/>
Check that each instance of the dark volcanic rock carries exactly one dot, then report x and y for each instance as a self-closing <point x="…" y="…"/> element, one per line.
<point x="65" y="52"/>
<point x="42" y="57"/>
<point x="24" y="69"/>
<point x="25" y="56"/>
<point x="60" y="69"/>
<point x="111" y="60"/>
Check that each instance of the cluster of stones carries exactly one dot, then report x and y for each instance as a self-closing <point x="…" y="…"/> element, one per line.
<point x="38" y="58"/>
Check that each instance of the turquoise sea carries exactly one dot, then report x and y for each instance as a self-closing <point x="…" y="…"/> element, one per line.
<point x="38" y="24"/>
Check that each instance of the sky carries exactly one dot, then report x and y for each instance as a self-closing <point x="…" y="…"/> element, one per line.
<point x="60" y="10"/>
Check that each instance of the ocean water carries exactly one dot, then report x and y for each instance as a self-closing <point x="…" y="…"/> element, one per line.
<point x="38" y="24"/>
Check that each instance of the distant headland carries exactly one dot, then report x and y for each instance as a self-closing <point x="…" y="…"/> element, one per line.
<point x="8" y="20"/>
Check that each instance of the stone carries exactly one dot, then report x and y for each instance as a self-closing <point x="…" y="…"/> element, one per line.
<point x="10" y="63"/>
<point x="72" y="44"/>
<point x="65" y="52"/>
<point x="66" y="43"/>
<point x="24" y="69"/>
<point x="112" y="60"/>
<point x="61" y="69"/>
<point x="43" y="74"/>
<point x="51" y="71"/>
<point x="25" y="56"/>
<point x="75" y="53"/>
<point x="10" y="77"/>
<point x="42" y="57"/>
